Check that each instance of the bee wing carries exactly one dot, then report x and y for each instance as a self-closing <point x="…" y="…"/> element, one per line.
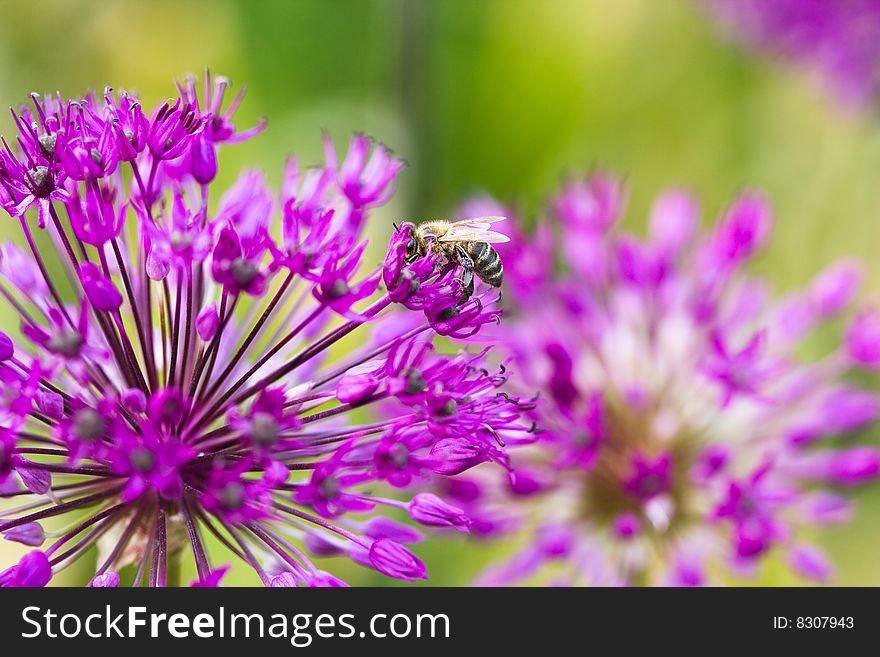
<point x="482" y="220"/>
<point x="488" y="236"/>
<point x="475" y="230"/>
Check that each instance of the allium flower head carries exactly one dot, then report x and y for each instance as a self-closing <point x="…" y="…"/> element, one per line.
<point x="840" y="39"/>
<point x="682" y="433"/>
<point x="209" y="371"/>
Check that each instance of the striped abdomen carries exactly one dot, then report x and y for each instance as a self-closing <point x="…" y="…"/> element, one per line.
<point x="487" y="262"/>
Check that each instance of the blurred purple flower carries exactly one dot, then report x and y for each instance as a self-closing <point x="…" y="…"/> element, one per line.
<point x="839" y="39"/>
<point x="679" y="429"/>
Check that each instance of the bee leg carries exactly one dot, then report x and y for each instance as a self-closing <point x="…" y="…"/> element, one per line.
<point x="468" y="280"/>
<point x="463" y="258"/>
<point x="468" y="265"/>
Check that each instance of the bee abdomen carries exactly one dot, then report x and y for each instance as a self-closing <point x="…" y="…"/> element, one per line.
<point x="487" y="263"/>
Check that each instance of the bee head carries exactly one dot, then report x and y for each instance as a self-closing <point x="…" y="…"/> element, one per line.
<point x="412" y="249"/>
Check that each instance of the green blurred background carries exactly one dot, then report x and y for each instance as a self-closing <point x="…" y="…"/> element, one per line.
<point x="505" y="96"/>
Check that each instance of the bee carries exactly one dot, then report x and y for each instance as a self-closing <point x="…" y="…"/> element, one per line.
<point x="467" y="242"/>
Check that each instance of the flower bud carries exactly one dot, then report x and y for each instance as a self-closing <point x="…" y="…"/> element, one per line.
<point x="283" y="581"/>
<point x="99" y="289"/>
<point x="7" y="349"/>
<point x="203" y="158"/>
<point x="207" y="322"/>
<point x="33" y="570"/>
<point x="28" y="534"/>
<point x="108" y="580"/>
<point x="394" y="560"/>
<point x="430" y="510"/>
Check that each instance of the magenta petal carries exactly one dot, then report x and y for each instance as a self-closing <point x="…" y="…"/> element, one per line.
<point x="674" y="219"/>
<point x="212" y="579"/>
<point x="276" y="473"/>
<point x="626" y="525"/>
<point x="744" y="228"/>
<point x="134" y="489"/>
<point x="135" y="400"/>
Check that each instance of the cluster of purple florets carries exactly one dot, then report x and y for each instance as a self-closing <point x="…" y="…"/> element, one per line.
<point x="201" y="374"/>
<point x="684" y="436"/>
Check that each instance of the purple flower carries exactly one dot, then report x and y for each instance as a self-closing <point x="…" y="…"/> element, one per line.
<point x="172" y="129"/>
<point x="202" y="379"/>
<point x="175" y="239"/>
<point x="839" y="40"/>
<point x="627" y="525"/>
<point x="97" y="220"/>
<point x="129" y="125"/>
<point x="366" y="181"/>
<point x="334" y="287"/>
<point x="743" y="372"/>
<point x="649" y="477"/>
<point x="232" y="497"/>
<point x="26" y="186"/>
<point x="236" y="262"/>
<point x="219" y="128"/>
<point x="679" y="429"/>
<point x="85" y="429"/>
